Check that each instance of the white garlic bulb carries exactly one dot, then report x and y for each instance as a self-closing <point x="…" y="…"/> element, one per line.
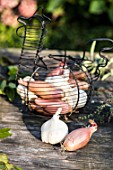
<point x="82" y="98"/>
<point x="54" y="130"/>
<point x="24" y="93"/>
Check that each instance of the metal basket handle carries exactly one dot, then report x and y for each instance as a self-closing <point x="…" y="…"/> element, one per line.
<point x="24" y="21"/>
<point x="101" y="50"/>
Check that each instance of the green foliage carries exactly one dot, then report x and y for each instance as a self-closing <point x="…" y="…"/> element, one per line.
<point x="109" y="69"/>
<point x="7" y="83"/>
<point x="97" y="7"/>
<point x="5" y="165"/>
<point x="101" y="115"/>
<point x="53" y="5"/>
<point x="106" y="71"/>
<point x="4" y="133"/>
<point x="73" y="24"/>
<point x="110" y="13"/>
<point x="8" y="37"/>
<point x="67" y="33"/>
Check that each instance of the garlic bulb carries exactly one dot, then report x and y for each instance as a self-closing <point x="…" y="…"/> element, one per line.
<point x="23" y="91"/>
<point x="82" y="97"/>
<point x="54" y="130"/>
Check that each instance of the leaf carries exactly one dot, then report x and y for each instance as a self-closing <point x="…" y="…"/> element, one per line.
<point x="97" y="7"/>
<point x="3" y="85"/>
<point x="4" y="133"/>
<point x="2" y="166"/>
<point x="110" y="61"/>
<point x="52" y="5"/>
<point x="92" y="49"/>
<point x="12" y="85"/>
<point x="5" y="165"/>
<point x="12" y="70"/>
<point x="12" y="77"/>
<point x="3" y="158"/>
<point x="58" y="12"/>
<point x="10" y="92"/>
<point x="1" y="92"/>
<point x="18" y="168"/>
<point x="111" y="72"/>
<point x="81" y="2"/>
<point x="110" y="13"/>
<point x="105" y="76"/>
<point x="12" y="167"/>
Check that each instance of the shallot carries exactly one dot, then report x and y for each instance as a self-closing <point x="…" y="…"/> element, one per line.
<point x="83" y="85"/>
<point x="61" y="81"/>
<point x="42" y="89"/>
<point x="51" y="106"/>
<point x="80" y="75"/>
<point x="79" y="138"/>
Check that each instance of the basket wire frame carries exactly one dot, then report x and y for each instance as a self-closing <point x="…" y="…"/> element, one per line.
<point x="53" y="80"/>
<point x="34" y="32"/>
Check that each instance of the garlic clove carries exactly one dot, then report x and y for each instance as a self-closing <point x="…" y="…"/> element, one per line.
<point x="54" y="130"/>
<point x="24" y="93"/>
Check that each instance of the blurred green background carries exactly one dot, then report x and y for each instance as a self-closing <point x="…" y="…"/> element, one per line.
<point x="74" y="22"/>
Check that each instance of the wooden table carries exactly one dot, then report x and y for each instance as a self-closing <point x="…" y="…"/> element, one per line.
<point x="25" y="149"/>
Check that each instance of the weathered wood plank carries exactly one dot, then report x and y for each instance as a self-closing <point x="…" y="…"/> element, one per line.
<point x="25" y="148"/>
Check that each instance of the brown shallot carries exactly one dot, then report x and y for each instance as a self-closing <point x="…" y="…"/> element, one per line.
<point x="79" y="138"/>
<point x="51" y="106"/>
<point x="57" y="71"/>
<point x="80" y="75"/>
<point x="83" y="85"/>
<point x="42" y="89"/>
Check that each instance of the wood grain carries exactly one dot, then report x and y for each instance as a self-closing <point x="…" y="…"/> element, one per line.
<point x="25" y="148"/>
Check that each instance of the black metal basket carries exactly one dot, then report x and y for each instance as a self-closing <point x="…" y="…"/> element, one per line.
<point x="47" y="82"/>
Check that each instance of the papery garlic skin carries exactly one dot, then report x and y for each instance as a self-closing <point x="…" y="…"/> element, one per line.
<point x="24" y="93"/>
<point x="82" y="98"/>
<point x="54" y="130"/>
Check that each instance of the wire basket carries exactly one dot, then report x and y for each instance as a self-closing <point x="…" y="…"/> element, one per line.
<point x="52" y="81"/>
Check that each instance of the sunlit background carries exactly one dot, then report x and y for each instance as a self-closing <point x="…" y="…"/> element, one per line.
<point x="73" y="21"/>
